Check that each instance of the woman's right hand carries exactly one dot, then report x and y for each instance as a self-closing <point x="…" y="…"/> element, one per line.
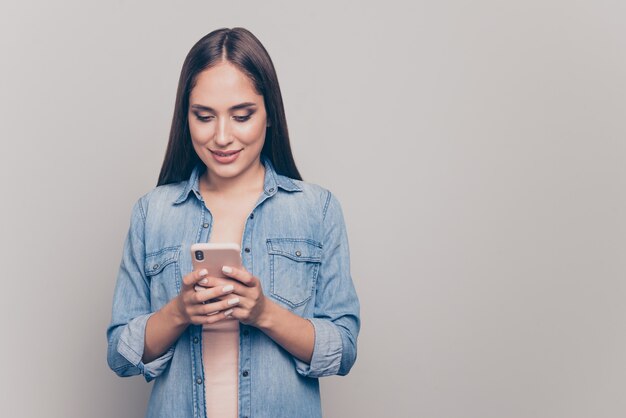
<point x="190" y="304"/>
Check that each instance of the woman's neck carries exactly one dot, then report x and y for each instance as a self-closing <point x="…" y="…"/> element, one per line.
<point x="250" y="180"/>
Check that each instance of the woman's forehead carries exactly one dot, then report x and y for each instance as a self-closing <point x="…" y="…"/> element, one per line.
<point x="223" y="85"/>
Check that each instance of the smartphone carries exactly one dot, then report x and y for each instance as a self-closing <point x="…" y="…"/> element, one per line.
<point x="213" y="256"/>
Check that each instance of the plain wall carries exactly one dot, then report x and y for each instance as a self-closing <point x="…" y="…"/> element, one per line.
<point x="478" y="150"/>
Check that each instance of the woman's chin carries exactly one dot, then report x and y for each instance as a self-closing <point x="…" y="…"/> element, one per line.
<point x="226" y="171"/>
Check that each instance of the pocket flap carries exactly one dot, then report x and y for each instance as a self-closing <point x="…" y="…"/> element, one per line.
<point x="297" y="249"/>
<point x="156" y="262"/>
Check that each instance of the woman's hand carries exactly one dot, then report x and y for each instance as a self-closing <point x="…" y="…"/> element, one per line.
<point x="252" y="305"/>
<point x="190" y="305"/>
<point x="294" y="333"/>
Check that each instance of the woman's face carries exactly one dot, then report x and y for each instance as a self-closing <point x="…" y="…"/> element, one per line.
<point x="227" y="121"/>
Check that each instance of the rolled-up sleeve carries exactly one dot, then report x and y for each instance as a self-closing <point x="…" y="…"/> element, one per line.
<point x="336" y="317"/>
<point x="131" y="309"/>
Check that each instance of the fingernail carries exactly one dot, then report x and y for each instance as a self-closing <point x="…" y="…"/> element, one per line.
<point x="233" y="301"/>
<point x="204" y="281"/>
<point x="228" y="288"/>
<point x="227" y="269"/>
<point x="228" y="312"/>
<point x="203" y="272"/>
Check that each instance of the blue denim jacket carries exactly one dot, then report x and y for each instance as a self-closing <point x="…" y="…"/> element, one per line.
<point x="294" y="241"/>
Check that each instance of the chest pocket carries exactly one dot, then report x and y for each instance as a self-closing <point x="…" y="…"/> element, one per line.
<point x="294" y="264"/>
<point x="163" y="272"/>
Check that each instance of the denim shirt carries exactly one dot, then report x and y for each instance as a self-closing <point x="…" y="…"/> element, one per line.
<point x="294" y="241"/>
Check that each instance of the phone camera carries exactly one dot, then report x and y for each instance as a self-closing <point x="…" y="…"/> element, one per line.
<point x="199" y="255"/>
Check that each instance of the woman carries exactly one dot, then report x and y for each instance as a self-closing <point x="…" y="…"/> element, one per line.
<point x="291" y="314"/>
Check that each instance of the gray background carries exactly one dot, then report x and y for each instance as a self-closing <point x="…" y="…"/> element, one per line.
<point x="477" y="149"/>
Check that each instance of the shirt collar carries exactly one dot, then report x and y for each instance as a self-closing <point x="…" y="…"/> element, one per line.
<point x="271" y="183"/>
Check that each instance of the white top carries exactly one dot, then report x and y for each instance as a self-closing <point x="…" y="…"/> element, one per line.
<point x="220" y="358"/>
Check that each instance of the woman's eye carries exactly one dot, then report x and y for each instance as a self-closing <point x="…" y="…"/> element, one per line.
<point x="210" y="117"/>
<point x="203" y="118"/>
<point x="241" y="118"/>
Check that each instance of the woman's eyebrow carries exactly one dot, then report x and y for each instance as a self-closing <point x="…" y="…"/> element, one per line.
<point x="235" y="107"/>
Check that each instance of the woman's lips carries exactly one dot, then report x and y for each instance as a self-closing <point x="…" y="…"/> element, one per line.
<point x="225" y="157"/>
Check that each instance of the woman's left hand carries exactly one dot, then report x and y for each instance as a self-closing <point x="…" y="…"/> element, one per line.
<point x="252" y="302"/>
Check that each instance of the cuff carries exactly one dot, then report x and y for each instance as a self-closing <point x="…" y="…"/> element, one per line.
<point x="131" y="345"/>
<point x="327" y="350"/>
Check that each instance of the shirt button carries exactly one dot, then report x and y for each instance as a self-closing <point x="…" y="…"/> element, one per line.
<point x="205" y="225"/>
<point x="195" y="340"/>
<point x="199" y="380"/>
<point x="252" y="216"/>
<point x="156" y="266"/>
<point x="245" y="373"/>
<point x="247" y="249"/>
<point x="271" y="190"/>
<point x="298" y="253"/>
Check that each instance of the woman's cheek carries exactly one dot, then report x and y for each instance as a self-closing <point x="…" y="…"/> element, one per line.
<point x="251" y="132"/>
<point x="201" y="133"/>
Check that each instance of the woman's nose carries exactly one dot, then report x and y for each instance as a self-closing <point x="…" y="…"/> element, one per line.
<point x="222" y="136"/>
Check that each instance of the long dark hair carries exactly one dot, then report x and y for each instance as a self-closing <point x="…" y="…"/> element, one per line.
<point x="241" y="48"/>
